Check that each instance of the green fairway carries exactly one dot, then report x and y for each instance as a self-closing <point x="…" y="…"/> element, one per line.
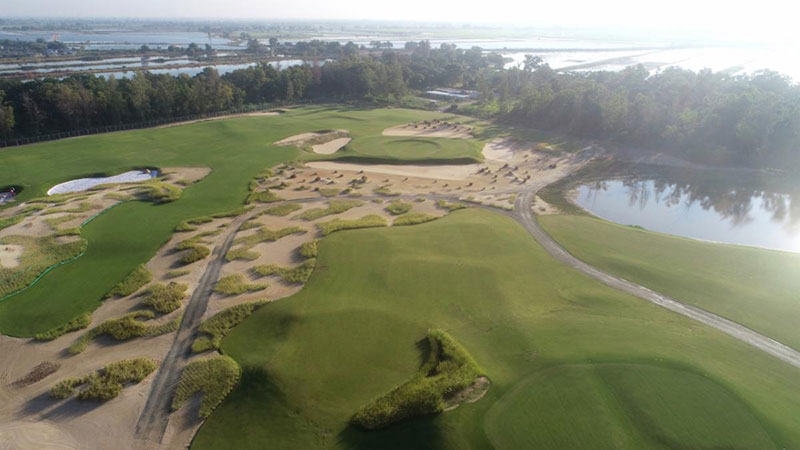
<point x="413" y="149"/>
<point x="755" y="287"/>
<point x="128" y="235"/>
<point x="536" y="327"/>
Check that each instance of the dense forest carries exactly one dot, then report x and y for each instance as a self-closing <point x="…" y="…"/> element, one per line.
<point x="748" y="120"/>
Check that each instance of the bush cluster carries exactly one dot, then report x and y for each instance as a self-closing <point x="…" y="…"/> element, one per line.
<point x="447" y="370"/>
<point x="165" y="298"/>
<point x="124" y="328"/>
<point x="237" y="284"/>
<point x="309" y="249"/>
<point x="397" y="207"/>
<point x="213" y="377"/>
<point x="106" y="383"/>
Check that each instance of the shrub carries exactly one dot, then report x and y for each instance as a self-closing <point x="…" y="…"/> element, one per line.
<point x="161" y="192"/>
<point x="283" y="209"/>
<point x="334" y="207"/>
<point x="266" y="235"/>
<point x="397" y="207"/>
<point x="371" y="220"/>
<point x="454" y="206"/>
<point x="236" y="284"/>
<point x="263" y="197"/>
<point x="195" y="253"/>
<point x="221" y="323"/>
<point x="297" y="274"/>
<point x="414" y="219"/>
<point x="329" y="192"/>
<point x="448" y="370"/>
<point x="177" y="273"/>
<point x="131" y="283"/>
<point x="165" y="298"/>
<point x="384" y="190"/>
<point x="106" y="383"/>
<point x="75" y="324"/>
<point x="243" y="253"/>
<point x="124" y="328"/>
<point x="213" y="377"/>
<point x="309" y="249"/>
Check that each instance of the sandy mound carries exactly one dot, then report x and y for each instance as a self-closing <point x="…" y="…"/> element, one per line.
<point x="331" y="146"/>
<point x="82" y="184"/>
<point x="297" y="138"/>
<point x="39" y="435"/>
<point x="444" y="172"/>
<point x="9" y="255"/>
<point x="499" y="150"/>
<point x="431" y="129"/>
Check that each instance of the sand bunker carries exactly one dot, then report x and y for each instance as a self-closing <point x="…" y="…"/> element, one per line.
<point x="444" y="172"/>
<point x="331" y="146"/>
<point x="82" y="184"/>
<point x="39" y="435"/>
<point x="9" y="255"/>
<point x="499" y="150"/>
<point x="431" y="129"/>
<point x="297" y="138"/>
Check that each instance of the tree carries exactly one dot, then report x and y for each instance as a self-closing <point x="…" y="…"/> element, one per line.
<point x="6" y="118"/>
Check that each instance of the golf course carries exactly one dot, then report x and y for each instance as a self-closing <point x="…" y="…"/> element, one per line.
<point x="387" y="293"/>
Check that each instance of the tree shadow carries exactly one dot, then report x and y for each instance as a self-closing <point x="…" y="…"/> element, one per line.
<point x="417" y="433"/>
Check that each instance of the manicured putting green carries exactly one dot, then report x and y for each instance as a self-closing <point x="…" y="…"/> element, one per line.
<point x="625" y="406"/>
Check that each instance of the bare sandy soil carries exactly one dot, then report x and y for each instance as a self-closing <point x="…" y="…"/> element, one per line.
<point x="503" y="149"/>
<point x="543" y="208"/>
<point x="330" y="147"/>
<point x="444" y="172"/>
<point x="431" y="129"/>
<point x="9" y="255"/>
<point x="296" y="139"/>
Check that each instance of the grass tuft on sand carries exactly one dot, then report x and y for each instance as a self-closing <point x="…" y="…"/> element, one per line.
<point x="107" y="382"/>
<point x="237" y="284"/>
<point x="368" y="221"/>
<point x="213" y="377"/>
<point x="131" y="283"/>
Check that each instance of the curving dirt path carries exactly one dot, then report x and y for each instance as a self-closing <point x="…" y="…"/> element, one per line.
<point x="522" y="212"/>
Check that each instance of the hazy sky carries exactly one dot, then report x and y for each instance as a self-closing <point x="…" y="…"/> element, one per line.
<point x="726" y="18"/>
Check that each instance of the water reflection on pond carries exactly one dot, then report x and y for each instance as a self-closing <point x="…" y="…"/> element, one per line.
<point x="713" y="212"/>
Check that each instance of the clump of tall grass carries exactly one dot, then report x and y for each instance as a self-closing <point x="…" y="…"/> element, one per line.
<point x="75" y="324"/>
<point x="397" y="207"/>
<point x="124" y="328"/>
<point x="177" y="273"/>
<point x="265" y="234"/>
<point x="214" y="377"/>
<point x="334" y="207"/>
<point x="161" y="192"/>
<point x="450" y="206"/>
<point x="9" y="221"/>
<point x="413" y="219"/>
<point x="237" y="284"/>
<point x="296" y="275"/>
<point x="165" y="298"/>
<point x="283" y="209"/>
<point x="309" y="249"/>
<point x="263" y="197"/>
<point x="82" y="207"/>
<point x="107" y="383"/>
<point x="329" y="192"/>
<point x="447" y="370"/>
<point x="242" y="253"/>
<point x="368" y="221"/>
<point x="384" y="190"/>
<point x="215" y="328"/>
<point x="54" y="222"/>
<point x="132" y="282"/>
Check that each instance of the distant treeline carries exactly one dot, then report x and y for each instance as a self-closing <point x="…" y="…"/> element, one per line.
<point x="709" y="117"/>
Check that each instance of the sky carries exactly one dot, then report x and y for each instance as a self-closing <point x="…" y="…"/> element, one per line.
<point x="724" y="19"/>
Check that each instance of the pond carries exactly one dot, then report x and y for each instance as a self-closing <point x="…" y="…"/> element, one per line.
<point x="719" y="214"/>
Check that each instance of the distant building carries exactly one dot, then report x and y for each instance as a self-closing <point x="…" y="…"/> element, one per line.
<point x="451" y="94"/>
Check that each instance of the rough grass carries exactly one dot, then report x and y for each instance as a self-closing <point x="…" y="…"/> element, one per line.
<point x="9" y="221"/>
<point x="131" y="283"/>
<point x="450" y="206"/>
<point x="213" y="329"/>
<point x="237" y="284"/>
<point x="38" y="254"/>
<point x="54" y="222"/>
<point x="242" y="253"/>
<point x="177" y="273"/>
<point x="334" y="207"/>
<point x="385" y="190"/>
<point x="78" y="323"/>
<point x="368" y="221"/>
<point x="263" y="197"/>
<point x="213" y="377"/>
<point x="413" y="219"/>
<point x="265" y="234"/>
<point x="283" y="209"/>
<point x="124" y="328"/>
<point x="329" y="192"/>
<point x="161" y="192"/>
<point x="81" y="208"/>
<point x="194" y="254"/>
<point x="106" y="383"/>
<point x="309" y="249"/>
<point x="397" y="207"/>
<point x="447" y="370"/>
<point x="296" y="275"/>
<point x="165" y="298"/>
